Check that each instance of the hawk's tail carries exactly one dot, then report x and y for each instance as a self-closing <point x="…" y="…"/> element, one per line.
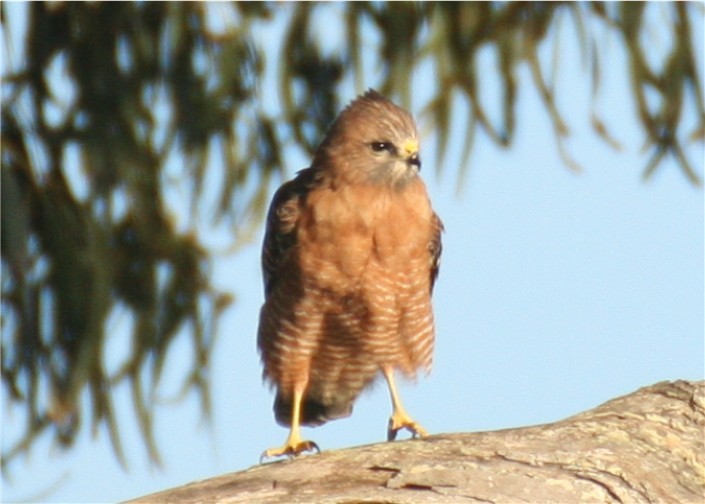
<point x="313" y="411"/>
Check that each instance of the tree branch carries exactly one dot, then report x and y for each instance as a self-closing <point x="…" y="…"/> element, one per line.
<point x="643" y="447"/>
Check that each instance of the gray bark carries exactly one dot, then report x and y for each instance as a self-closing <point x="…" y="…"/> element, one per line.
<point x="644" y="447"/>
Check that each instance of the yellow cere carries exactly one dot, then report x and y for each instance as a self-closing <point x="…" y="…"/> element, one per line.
<point x="411" y="146"/>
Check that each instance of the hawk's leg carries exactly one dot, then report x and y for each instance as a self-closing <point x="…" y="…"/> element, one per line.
<point x="294" y="444"/>
<point x="400" y="419"/>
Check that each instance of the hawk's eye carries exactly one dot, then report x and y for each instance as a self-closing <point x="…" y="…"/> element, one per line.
<point x="382" y="146"/>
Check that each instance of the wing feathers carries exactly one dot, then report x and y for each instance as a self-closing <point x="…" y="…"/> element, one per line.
<point x="282" y="221"/>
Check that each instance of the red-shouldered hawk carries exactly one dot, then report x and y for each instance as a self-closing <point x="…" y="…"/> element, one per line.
<point x="350" y="256"/>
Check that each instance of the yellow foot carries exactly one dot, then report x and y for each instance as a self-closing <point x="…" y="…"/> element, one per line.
<point x="290" y="449"/>
<point x="400" y="420"/>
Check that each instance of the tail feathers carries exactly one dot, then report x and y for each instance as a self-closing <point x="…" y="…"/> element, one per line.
<point x="313" y="411"/>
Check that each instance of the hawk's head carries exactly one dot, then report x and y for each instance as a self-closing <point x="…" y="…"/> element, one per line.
<point x="371" y="141"/>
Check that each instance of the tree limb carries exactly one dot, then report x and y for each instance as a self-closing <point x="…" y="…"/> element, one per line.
<point x="644" y="447"/>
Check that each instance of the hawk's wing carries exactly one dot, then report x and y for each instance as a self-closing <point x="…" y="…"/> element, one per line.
<point x="282" y="221"/>
<point x="435" y="248"/>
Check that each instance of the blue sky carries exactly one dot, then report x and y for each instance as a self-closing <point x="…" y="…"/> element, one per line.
<point x="556" y="293"/>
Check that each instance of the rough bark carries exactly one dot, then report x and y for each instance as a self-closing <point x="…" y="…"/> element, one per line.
<point x="644" y="447"/>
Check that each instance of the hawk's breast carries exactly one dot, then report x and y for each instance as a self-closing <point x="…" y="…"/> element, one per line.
<point x="345" y="233"/>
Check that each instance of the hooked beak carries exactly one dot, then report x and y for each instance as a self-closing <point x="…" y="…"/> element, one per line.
<point x="411" y="153"/>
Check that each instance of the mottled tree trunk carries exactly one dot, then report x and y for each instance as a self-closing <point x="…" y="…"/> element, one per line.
<point x="644" y="447"/>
